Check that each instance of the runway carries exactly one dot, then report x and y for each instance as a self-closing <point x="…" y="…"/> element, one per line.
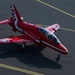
<point x="39" y="60"/>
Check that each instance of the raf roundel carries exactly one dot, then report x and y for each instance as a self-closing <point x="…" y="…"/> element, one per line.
<point x="4" y="40"/>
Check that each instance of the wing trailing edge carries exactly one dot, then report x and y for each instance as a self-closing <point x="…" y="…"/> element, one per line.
<point x="15" y="39"/>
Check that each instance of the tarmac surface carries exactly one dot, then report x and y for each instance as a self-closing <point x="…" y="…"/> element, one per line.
<point x="39" y="60"/>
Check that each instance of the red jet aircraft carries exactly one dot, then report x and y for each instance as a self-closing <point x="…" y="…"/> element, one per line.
<point x="33" y="33"/>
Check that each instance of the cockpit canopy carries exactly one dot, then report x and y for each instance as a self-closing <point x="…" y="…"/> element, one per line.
<point x="49" y="35"/>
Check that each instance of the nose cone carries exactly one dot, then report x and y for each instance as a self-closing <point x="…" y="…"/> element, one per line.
<point x="63" y="49"/>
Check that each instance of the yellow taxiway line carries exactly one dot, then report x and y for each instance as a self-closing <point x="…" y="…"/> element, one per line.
<point x="19" y="69"/>
<point x="49" y="5"/>
<point x="31" y="72"/>
<point x="71" y="30"/>
<point x="73" y="16"/>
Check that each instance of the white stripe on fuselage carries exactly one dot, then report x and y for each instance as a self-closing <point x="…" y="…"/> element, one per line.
<point x="16" y="20"/>
<point x="21" y="30"/>
<point x="52" y="46"/>
<point x="34" y="38"/>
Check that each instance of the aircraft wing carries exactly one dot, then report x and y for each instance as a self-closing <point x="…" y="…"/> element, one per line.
<point x="16" y="39"/>
<point x="7" y="21"/>
<point x="53" y="28"/>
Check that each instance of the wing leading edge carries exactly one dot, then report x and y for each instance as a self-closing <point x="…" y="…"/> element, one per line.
<point x="16" y="39"/>
<point x="53" y="28"/>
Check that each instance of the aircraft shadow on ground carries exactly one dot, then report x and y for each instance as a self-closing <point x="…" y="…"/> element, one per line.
<point x="30" y="56"/>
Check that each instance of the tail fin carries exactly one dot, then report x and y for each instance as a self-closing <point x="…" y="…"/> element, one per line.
<point x="15" y="13"/>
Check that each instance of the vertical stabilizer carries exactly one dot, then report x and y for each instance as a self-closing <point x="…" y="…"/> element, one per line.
<point x="15" y="13"/>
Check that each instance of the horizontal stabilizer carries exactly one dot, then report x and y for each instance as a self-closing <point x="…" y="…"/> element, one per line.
<point x="7" y="21"/>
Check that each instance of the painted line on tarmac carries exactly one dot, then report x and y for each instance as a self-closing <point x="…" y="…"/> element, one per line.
<point x="66" y="29"/>
<point x="3" y="52"/>
<point x="60" y="11"/>
<point x="49" y="5"/>
<point x="19" y="69"/>
<point x="71" y="30"/>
